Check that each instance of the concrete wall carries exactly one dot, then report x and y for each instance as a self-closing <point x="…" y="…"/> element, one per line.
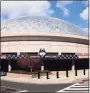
<point x="31" y="33"/>
<point x="50" y="46"/>
<point x="52" y="42"/>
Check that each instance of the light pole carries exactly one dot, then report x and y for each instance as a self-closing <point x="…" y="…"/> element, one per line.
<point x="42" y="54"/>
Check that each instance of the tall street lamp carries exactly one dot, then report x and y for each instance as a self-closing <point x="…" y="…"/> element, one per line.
<point x="42" y="54"/>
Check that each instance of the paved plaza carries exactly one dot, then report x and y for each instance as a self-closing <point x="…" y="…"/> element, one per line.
<point x="52" y="78"/>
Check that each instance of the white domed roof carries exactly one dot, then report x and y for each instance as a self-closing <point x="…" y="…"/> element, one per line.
<point x="41" y="24"/>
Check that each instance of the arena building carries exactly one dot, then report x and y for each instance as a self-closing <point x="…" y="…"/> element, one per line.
<point x="64" y="43"/>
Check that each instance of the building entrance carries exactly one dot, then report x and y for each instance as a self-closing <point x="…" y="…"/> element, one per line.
<point x="57" y="64"/>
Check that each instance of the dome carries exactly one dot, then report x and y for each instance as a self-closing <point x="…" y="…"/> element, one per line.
<point x="41" y="24"/>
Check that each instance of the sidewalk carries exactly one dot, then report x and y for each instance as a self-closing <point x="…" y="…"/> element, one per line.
<point x="22" y="78"/>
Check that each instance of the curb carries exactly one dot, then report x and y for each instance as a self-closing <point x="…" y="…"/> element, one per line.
<point x="81" y="80"/>
<point x="46" y="81"/>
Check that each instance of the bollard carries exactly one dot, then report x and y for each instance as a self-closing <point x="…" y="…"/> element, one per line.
<point x="47" y="76"/>
<point x="38" y="75"/>
<point x="75" y="72"/>
<point x="57" y="74"/>
<point x="84" y="71"/>
<point x="66" y="73"/>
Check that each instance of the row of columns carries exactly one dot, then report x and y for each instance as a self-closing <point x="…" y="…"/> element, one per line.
<point x="42" y="67"/>
<point x="10" y="68"/>
<point x="73" y="66"/>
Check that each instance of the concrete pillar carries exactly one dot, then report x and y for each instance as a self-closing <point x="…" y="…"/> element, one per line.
<point x="73" y="65"/>
<point x="18" y="53"/>
<point x="9" y="68"/>
<point x="42" y="68"/>
<point x="59" y="53"/>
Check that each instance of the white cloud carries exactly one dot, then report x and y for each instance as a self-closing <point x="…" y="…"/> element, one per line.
<point x="64" y="3"/>
<point x="14" y="9"/>
<point x="85" y="29"/>
<point x="63" y="6"/>
<point x="85" y="3"/>
<point x="84" y="14"/>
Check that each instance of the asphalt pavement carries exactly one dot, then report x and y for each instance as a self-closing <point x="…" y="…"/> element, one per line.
<point x="13" y="87"/>
<point x="82" y="87"/>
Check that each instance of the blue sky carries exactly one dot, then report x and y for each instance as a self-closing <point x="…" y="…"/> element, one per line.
<point x="75" y="12"/>
<point x="75" y="9"/>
